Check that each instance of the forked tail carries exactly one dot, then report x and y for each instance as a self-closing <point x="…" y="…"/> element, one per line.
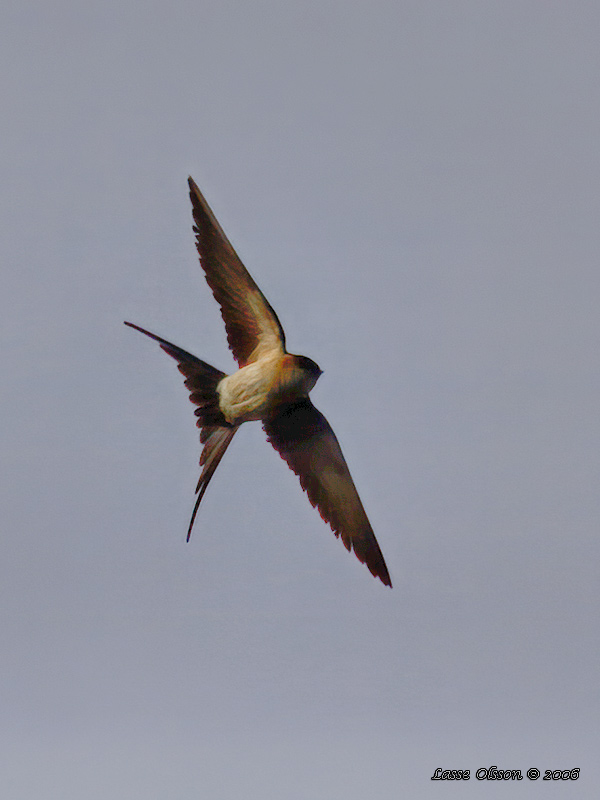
<point x="215" y="432"/>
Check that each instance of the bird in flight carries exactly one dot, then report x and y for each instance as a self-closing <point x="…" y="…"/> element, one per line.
<point x="271" y="385"/>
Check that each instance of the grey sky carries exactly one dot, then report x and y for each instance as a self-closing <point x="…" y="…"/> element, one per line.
<point x="414" y="186"/>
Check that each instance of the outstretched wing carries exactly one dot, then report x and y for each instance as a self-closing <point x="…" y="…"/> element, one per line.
<point x="304" y="439"/>
<point x="215" y="433"/>
<point x="251" y="324"/>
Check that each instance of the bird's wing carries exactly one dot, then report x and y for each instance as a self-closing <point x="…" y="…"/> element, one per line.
<point x="251" y="324"/>
<point x="215" y="433"/>
<point x="304" y="439"/>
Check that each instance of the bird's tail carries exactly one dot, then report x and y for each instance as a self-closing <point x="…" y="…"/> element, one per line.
<point x="216" y="433"/>
<point x="200" y="378"/>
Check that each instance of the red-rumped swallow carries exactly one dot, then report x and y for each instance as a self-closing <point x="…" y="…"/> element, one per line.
<point x="271" y="385"/>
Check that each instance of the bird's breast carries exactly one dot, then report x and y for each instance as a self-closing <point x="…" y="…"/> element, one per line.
<point x="255" y="390"/>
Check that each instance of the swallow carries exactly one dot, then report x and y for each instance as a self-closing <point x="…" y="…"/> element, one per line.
<point x="272" y="386"/>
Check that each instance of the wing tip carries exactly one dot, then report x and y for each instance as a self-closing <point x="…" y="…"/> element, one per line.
<point x="384" y="577"/>
<point x="196" y="196"/>
<point x="377" y="569"/>
<point x="371" y="557"/>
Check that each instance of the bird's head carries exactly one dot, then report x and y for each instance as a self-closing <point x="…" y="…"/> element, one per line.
<point x="310" y="371"/>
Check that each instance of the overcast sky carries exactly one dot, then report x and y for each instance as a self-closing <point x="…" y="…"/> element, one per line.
<point x="414" y="186"/>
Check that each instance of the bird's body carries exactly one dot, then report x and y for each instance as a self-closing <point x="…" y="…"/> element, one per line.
<point x="272" y="386"/>
<point x="254" y="391"/>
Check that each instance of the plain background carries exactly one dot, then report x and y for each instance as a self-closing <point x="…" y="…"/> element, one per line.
<point x="414" y="186"/>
